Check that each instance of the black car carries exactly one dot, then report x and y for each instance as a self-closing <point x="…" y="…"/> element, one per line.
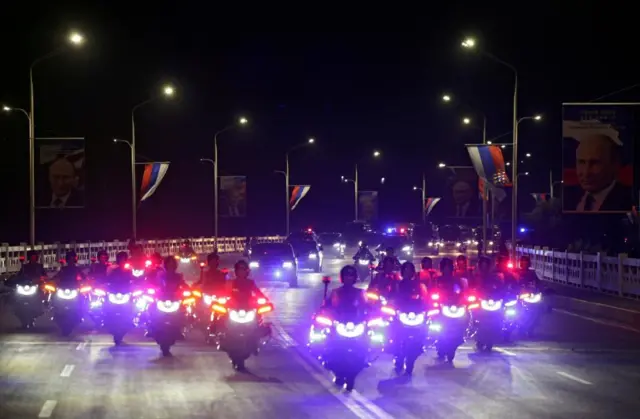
<point x="451" y="239"/>
<point x="274" y="261"/>
<point x="308" y="254"/>
<point x="333" y="244"/>
<point x="305" y="235"/>
<point x="402" y="246"/>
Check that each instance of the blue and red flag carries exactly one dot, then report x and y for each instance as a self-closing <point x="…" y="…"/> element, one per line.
<point x="430" y="203"/>
<point x="540" y="197"/>
<point x="151" y="178"/>
<point x="297" y="193"/>
<point x="489" y="164"/>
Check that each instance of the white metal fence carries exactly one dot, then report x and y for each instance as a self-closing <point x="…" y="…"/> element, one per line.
<point x="51" y="254"/>
<point x="617" y="275"/>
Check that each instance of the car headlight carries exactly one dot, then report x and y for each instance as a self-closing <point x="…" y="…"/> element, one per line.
<point x="458" y="244"/>
<point x="67" y="294"/>
<point x="313" y="256"/>
<point x="242" y="316"/>
<point x="254" y="265"/>
<point x="406" y="249"/>
<point x="350" y="330"/>
<point x="430" y="244"/>
<point x="119" y="298"/>
<point x="363" y="262"/>
<point x="26" y="289"/>
<point x="336" y="245"/>
<point x="468" y="242"/>
<point x="287" y="265"/>
<point x="490" y="243"/>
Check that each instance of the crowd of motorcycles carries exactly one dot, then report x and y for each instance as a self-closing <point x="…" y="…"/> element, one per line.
<point x="346" y="342"/>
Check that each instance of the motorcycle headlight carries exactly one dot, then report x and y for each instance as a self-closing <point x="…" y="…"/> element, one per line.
<point x="313" y="256"/>
<point x="119" y="298"/>
<point x="532" y="298"/>
<point x="453" y="312"/>
<point x="458" y="244"/>
<point x="336" y="245"/>
<point x="468" y="242"/>
<point x="26" y="289"/>
<point x="511" y="303"/>
<point x="406" y="249"/>
<point x="137" y="272"/>
<point x="510" y="312"/>
<point x="350" y="329"/>
<point x="411" y="319"/>
<point x="185" y="260"/>
<point x="430" y="244"/>
<point x="67" y="294"/>
<point x="254" y="265"/>
<point x="363" y="262"/>
<point x="242" y="316"/>
<point x="168" y="306"/>
<point x="287" y="265"/>
<point x="491" y="305"/>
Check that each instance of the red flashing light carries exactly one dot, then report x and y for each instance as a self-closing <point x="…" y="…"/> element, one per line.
<point x="202" y="264"/>
<point x="309" y="230"/>
<point x="402" y="230"/>
<point x="510" y="265"/>
<point x="127" y="266"/>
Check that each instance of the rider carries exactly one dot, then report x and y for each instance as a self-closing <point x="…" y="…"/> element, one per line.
<point x="155" y="271"/>
<point x="486" y="280"/>
<point x="347" y="295"/>
<point x="71" y="272"/>
<point x="409" y="286"/>
<point x="447" y="281"/>
<point x="462" y="270"/>
<point x="172" y="281"/>
<point x="427" y="275"/>
<point x="364" y="253"/>
<point x="242" y="285"/>
<point x="504" y="269"/>
<point x="385" y="281"/>
<point x="32" y="269"/>
<point x="213" y="278"/>
<point x="99" y="268"/>
<point x="121" y="274"/>
<point x="526" y="276"/>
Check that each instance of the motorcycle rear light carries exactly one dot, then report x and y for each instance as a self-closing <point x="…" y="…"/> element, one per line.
<point x="202" y="264"/>
<point x="324" y="320"/>
<point x="510" y="265"/>
<point x="188" y="301"/>
<point x="473" y="306"/>
<point x="511" y="303"/>
<point x="208" y="299"/>
<point x="222" y="300"/>
<point x="151" y="291"/>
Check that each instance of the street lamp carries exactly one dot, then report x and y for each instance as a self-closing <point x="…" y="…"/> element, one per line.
<point x="446" y="98"/>
<point x="76" y="39"/>
<point x="167" y="91"/>
<point x="309" y="142"/>
<point x="466" y="121"/>
<point x="375" y="153"/>
<point x="470" y="43"/>
<point x="240" y="122"/>
<point x="423" y="190"/>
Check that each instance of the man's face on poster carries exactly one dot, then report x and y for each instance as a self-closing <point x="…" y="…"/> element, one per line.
<point x="62" y="177"/>
<point x="596" y="163"/>
<point x="461" y="192"/>
<point x="237" y="193"/>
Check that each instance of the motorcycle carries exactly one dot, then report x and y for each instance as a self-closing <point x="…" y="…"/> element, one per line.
<point x="238" y="327"/>
<point x="118" y="310"/>
<point x="493" y="318"/>
<point x="409" y="330"/>
<point x="448" y="328"/>
<point x="531" y="308"/>
<point x="68" y="303"/>
<point x="28" y="302"/>
<point x="167" y="318"/>
<point x="345" y="342"/>
<point x="138" y="267"/>
<point x="364" y="267"/>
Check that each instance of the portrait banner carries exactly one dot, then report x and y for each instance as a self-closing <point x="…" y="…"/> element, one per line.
<point x="233" y="197"/>
<point x="60" y="173"/>
<point x="368" y="205"/>
<point x="597" y="157"/>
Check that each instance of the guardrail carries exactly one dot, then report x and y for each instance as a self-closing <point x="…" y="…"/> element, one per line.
<point x="51" y="254"/>
<point x="616" y="275"/>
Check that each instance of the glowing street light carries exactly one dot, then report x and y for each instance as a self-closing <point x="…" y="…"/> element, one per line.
<point x="311" y="140"/>
<point x="442" y="165"/>
<point x="469" y="43"/>
<point x="376" y="153"/>
<point x="446" y="98"/>
<point x="168" y="90"/>
<point x="466" y="121"/>
<point x="243" y="121"/>
<point x="537" y="117"/>
<point x="76" y="38"/>
<point x="528" y="154"/>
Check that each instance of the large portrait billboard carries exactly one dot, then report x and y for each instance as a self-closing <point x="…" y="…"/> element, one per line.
<point x="60" y="173"/>
<point x="597" y="157"/>
<point x="367" y="205"/>
<point x="233" y="196"/>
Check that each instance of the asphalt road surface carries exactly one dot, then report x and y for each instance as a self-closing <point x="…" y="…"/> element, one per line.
<point x="573" y="368"/>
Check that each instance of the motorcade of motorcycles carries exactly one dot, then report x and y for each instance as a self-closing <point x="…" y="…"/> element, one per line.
<point x="167" y="317"/>
<point x="238" y="327"/>
<point x="68" y="303"/>
<point x="493" y="318"/>
<point x="28" y="301"/>
<point x="274" y="261"/>
<point x="448" y="327"/>
<point x="186" y="256"/>
<point x="119" y="308"/>
<point x="346" y="341"/>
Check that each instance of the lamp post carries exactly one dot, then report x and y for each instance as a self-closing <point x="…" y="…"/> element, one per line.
<point x="423" y="191"/>
<point x="167" y="91"/>
<point x="76" y="39"/>
<point x="310" y="141"/>
<point x="241" y="121"/>
<point x="376" y="154"/>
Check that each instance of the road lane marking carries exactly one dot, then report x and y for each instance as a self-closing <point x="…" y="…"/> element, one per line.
<point x="81" y="346"/>
<point x="574" y="378"/>
<point x="504" y="351"/>
<point x="599" y="321"/>
<point x="47" y="409"/>
<point x="67" y="370"/>
<point x="357" y="404"/>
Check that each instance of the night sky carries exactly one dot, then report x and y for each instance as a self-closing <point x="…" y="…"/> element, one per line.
<point x="355" y="79"/>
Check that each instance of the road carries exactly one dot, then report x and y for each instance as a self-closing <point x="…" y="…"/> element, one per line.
<point x="573" y="367"/>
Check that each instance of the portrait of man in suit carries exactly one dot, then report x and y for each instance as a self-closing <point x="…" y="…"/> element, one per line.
<point x="63" y="183"/>
<point x="233" y="196"/>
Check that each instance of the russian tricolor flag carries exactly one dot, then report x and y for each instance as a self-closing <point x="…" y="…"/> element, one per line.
<point x="489" y="164"/>
<point x="297" y="193"/>
<point x="430" y="203"/>
<point x="153" y="174"/>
